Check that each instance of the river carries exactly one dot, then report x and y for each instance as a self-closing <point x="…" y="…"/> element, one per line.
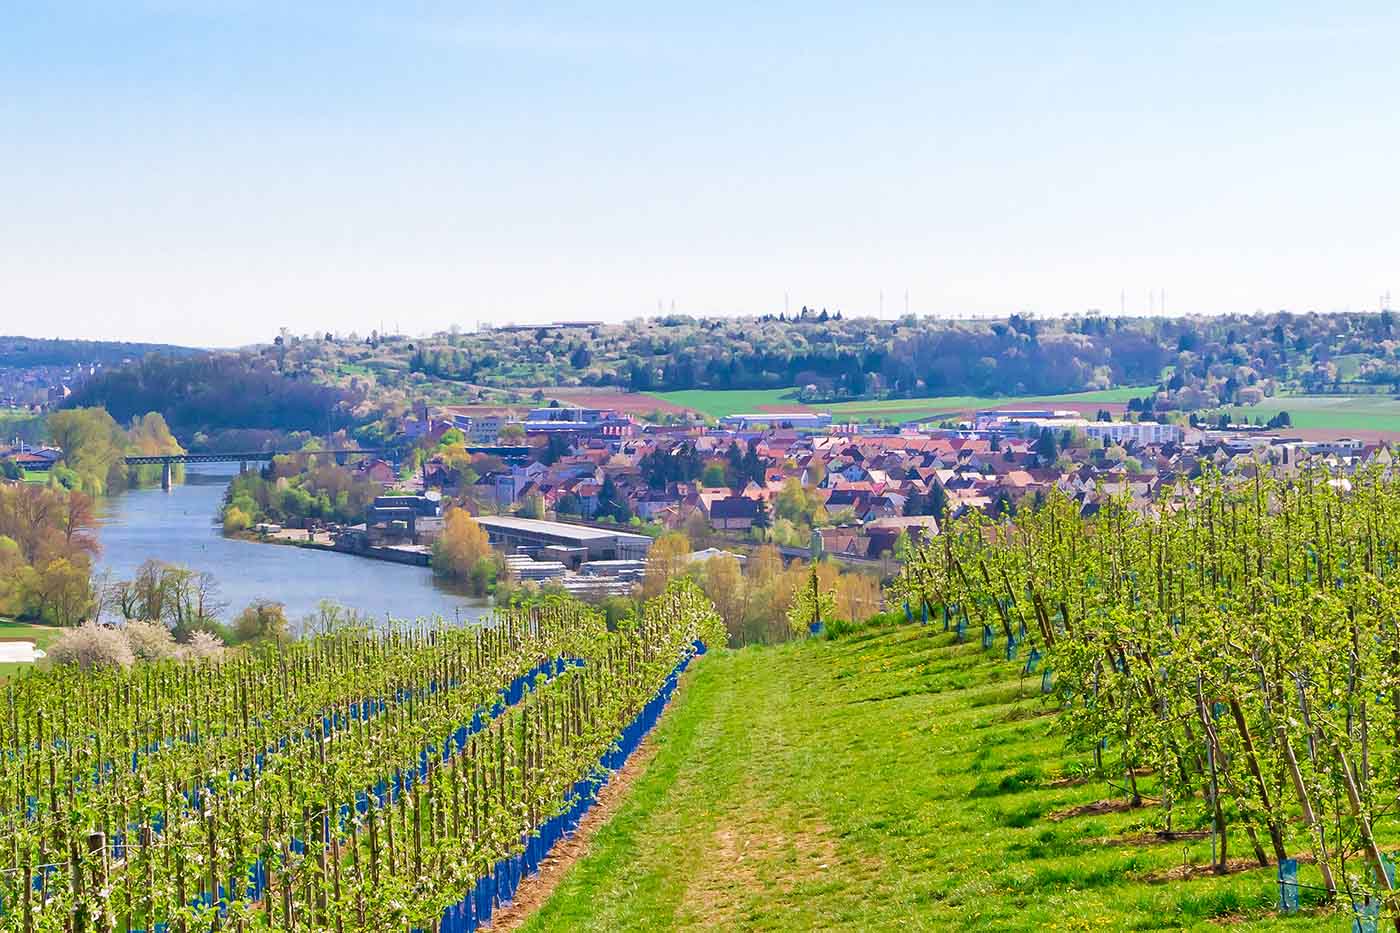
<point x="179" y="527"/>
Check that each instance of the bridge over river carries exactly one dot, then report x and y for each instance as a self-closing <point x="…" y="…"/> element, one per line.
<point x="508" y="453"/>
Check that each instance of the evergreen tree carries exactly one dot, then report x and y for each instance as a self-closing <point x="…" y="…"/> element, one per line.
<point x="761" y="519"/>
<point x="937" y="501"/>
<point x="611" y="504"/>
<point x="735" y="458"/>
<point x="752" y="465"/>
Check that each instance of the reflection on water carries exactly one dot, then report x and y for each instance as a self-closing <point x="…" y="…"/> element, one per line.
<point x="179" y="527"/>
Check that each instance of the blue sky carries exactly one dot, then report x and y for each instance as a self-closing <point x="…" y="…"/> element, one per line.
<point x="206" y="172"/>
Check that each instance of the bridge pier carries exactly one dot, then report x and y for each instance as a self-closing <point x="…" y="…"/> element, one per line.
<point x="242" y="467"/>
<point x="165" y="472"/>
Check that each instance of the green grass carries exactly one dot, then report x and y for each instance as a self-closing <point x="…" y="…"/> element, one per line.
<point x="1349" y="364"/>
<point x="719" y="403"/>
<point x="907" y="408"/>
<point x="41" y="635"/>
<point x="1330" y="412"/>
<point x="886" y="780"/>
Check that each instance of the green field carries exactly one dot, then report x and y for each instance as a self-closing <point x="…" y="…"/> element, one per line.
<point x="885" y="780"/>
<point x="41" y="635"/>
<point x="719" y="403"/>
<point x="1329" y="412"/>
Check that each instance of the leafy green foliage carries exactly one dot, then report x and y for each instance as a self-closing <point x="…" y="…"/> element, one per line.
<point x="327" y="761"/>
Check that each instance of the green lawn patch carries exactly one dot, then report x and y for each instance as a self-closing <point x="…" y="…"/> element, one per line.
<point x="1328" y="412"/>
<point x="886" y="780"/>
<point x="719" y="403"/>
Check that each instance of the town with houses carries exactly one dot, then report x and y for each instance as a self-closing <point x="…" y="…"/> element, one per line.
<point x="577" y="495"/>
<point x="584" y="492"/>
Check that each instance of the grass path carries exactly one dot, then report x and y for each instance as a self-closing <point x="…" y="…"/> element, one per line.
<point x="886" y="780"/>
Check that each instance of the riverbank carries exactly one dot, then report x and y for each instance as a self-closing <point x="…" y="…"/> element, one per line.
<point x="410" y="554"/>
<point x="179" y="527"/>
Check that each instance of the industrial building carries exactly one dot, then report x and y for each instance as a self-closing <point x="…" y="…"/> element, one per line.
<point x="796" y="419"/>
<point x="571" y="545"/>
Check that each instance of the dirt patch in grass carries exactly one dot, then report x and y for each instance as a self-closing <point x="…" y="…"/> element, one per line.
<point x="764" y="853"/>
<point x="533" y="892"/>
<point x="1187" y="872"/>
<point x="1073" y="780"/>
<point x="1146" y="839"/>
<point x="1097" y="808"/>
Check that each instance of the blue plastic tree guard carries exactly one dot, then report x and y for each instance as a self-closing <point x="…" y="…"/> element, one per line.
<point x="498" y="888"/>
<point x="1388" y="863"/>
<point x="1046" y="681"/>
<point x="1012" y="647"/>
<point x="988" y="638"/>
<point x="384" y="792"/>
<point x="1368" y="915"/>
<point x="1032" y="661"/>
<point x="908" y="613"/>
<point x="1288" y="886"/>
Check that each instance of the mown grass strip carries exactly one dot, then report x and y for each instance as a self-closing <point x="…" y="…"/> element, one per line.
<point x="888" y="780"/>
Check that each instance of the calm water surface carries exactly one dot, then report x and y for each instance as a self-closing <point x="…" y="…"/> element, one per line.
<point x="178" y="527"/>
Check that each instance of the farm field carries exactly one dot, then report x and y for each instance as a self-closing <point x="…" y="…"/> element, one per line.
<point x="719" y="403"/>
<point x="889" y="779"/>
<point x="907" y="408"/>
<point x="1365" y="415"/>
<point x="473" y="747"/>
<point x="636" y="403"/>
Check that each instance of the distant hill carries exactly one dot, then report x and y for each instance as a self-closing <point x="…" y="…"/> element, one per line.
<point x="40" y="351"/>
<point x="1200" y="362"/>
<point x="206" y="392"/>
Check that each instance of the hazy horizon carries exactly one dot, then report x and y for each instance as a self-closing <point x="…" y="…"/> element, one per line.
<point x="202" y="172"/>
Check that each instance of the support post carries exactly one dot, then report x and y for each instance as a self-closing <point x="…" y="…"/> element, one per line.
<point x="165" y="476"/>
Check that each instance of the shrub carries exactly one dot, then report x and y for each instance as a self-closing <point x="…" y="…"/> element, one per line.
<point x="92" y="645"/>
<point x="201" y="646"/>
<point x="149" y="641"/>
<point x="263" y="620"/>
<point x="236" y="520"/>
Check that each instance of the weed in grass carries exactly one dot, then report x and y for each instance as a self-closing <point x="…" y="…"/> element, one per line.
<point x="1023" y="816"/>
<point x="1009" y="784"/>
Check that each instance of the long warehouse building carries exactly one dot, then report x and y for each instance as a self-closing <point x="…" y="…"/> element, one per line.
<point x="513" y="534"/>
